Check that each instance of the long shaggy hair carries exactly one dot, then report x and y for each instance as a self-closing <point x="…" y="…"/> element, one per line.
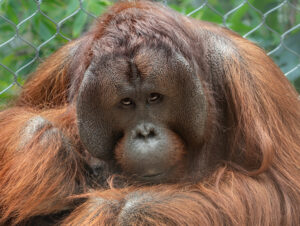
<point x="253" y="124"/>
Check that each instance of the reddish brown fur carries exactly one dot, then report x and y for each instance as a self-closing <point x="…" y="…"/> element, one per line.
<point x="257" y="184"/>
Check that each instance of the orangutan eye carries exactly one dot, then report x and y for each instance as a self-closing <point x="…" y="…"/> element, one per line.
<point x="154" y="97"/>
<point x="127" y="101"/>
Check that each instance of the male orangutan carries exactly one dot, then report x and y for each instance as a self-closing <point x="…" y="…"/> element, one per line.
<point x="152" y="118"/>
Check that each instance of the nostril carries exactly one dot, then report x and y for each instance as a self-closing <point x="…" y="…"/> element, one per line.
<point x="140" y="136"/>
<point x="151" y="134"/>
<point x="145" y="133"/>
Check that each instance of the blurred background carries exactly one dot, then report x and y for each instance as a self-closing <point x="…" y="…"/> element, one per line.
<point x="30" y="30"/>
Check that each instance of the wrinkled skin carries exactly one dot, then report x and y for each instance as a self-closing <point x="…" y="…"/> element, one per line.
<point x="130" y="102"/>
<point x="152" y="118"/>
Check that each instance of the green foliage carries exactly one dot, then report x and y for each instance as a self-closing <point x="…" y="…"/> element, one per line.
<point x="58" y="21"/>
<point x="34" y="39"/>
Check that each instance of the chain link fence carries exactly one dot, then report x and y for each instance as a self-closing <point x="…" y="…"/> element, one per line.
<point x="31" y="30"/>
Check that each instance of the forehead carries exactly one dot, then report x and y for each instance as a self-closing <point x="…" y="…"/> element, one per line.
<point x="144" y="62"/>
<point x="142" y="70"/>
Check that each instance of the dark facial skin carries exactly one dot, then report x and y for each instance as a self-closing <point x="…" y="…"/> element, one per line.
<point x="145" y="112"/>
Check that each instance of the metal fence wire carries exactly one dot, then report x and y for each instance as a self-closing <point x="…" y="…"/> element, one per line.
<point x="283" y="43"/>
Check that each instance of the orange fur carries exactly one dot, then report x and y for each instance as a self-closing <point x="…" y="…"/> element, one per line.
<point x="256" y="183"/>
